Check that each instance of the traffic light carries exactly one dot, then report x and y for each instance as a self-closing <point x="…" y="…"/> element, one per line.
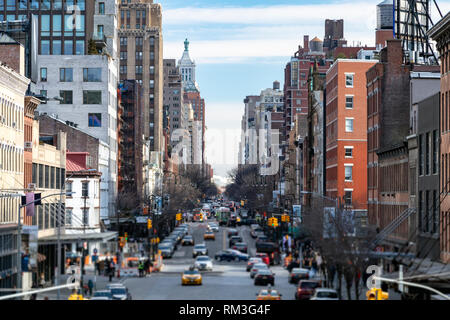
<point x="149" y="223"/>
<point x="179" y="216"/>
<point x="121" y="241"/>
<point x="126" y="237"/>
<point x="377" y="294"/>
<point x="272" y="222"/>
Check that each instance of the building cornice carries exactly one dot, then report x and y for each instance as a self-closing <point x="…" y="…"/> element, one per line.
<point x="13" y="80"/>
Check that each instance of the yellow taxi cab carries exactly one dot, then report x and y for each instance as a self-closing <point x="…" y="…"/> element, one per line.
<point x="209" y="235"/>
<point x="191" y="276"/>
<point x="268" y="294"/>
<point x="75" y="296"/>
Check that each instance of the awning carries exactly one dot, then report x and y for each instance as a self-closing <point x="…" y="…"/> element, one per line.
<point x="85" y="237"/>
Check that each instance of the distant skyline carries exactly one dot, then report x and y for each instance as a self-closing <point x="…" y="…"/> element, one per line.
<point x="242" y="46"/>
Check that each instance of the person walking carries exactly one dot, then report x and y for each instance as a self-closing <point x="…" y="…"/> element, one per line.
<point x="141" y="269"/>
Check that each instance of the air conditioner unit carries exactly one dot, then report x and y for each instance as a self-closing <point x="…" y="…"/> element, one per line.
<point x="32" y="186"/>
<point x="28" y="144"/>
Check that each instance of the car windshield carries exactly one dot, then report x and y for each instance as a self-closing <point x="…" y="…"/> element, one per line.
<point x="118" y="291"/>
<point x="299" y="271"/>
<point x="260" y="266"/>
<point x="200" y="246"/>
<point x="326" y="294"/>
<point x="188" y="238"/>
<point x="255" y="260"/>
<point x="102" y="294"/>
<point x="203" y="258"/>
<point x="264" y="272"/>
<point x="191" y="272"/>
<point x="264" y="293"/>
<point x="309" y="285"/>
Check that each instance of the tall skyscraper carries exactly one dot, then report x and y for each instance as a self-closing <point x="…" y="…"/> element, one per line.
<point x="141" y="59"/>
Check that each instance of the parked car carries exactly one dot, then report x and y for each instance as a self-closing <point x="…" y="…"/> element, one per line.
<point x="298" y="274"/>
<point x="240" y="246"/>
<point x="305" y="289"/>
<point x="256" y="267"/>
<point x="325" y="294"/>
<point x="234" y="239"/>
<point x="264" y="277"/>
<point x="252" y="261"/>
<point x="200" y="250"/>
<point x="203" y="263"/>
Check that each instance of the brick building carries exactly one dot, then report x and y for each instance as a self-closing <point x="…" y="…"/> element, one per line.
<point x="346" y="132"/>
<point x="441" y="34"/>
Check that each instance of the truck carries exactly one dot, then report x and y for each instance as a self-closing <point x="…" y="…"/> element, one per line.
<point x="223" y="215"/>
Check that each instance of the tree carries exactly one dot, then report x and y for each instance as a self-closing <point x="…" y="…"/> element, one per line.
<point x="92" y="48"/>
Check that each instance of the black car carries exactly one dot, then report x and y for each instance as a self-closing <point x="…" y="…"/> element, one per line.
<point x="298" y="274"/>
<point x="232" y="232"/>
<point x="241" y="246"/>
<point x="231" y="255"/>
<point x="234" y="239"/>
<point x="264" y="277"/>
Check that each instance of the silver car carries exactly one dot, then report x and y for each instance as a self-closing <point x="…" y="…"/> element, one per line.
<point x="256" y="267"/>
<point x="325" y="294"/>
<point x="200" y="250"/>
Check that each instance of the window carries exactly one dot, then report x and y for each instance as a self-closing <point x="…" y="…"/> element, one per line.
<point x="123" y="55"/>
<point x="95" y="119"/>
<point x="152" y="56"/>
<point x="45" y="5"/>
<point x="123" y="41"/>
<point x="138" y="41"/>
<point x="45" y="47"/>
<point x="123" y="69"/>
<point x="85" y="216"/>
<point x="92" y="74"/>
<point x="92" y="97"/>
<point x="52" y="177"/>
<point x="138" y="69"/>
<point x="22" y="4"/>
<point x="56" y="25"/>
<point x="421" y="155"/>
<point x="81" y="4"/>
<point x="349" y="80"/>
<point x="427" y="153"/>
<point x="47" y="177"/>
<point x="68" y="47"/>
<point x="101" y="8"/>
<point x="152" y="41"/>
<point x="79" y="27"/>
<point x="79" y="47"/>
<point x="348" y="124"/>
<point x="45" y="25"/>
<point x="56" y="47"/>
<point x="65" y="74"/>
<point x="349" y="102"/>
<point x="152" y="83"/>
<point x="348" y="173"/>
<point x="43" y="74"/>
<point x="68" y="217"/>
<point x="348" y="197"/>
<point x="138" y="55"/>
<point x="41" y="176"/>
<point x="69" y="188"/>
<point x="85" y="189"/>
<point x="152" y="70"/>
<point x="66" y="96"/>
<point x="435" y="152"/>
<point x="57" y="4"/>
<point x="100" y="31"/>
<point x="348" y="152"/>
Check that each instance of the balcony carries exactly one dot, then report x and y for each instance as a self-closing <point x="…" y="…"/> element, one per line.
<point x="100" y="41"/>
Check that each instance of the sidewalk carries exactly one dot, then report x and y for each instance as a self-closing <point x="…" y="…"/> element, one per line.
<point x="100" y="283"/>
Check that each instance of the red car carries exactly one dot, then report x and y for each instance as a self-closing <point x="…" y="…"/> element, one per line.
<point x="264" y="257"/>
<point x="305" y="289"/>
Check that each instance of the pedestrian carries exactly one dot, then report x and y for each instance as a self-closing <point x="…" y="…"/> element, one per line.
<point x="42" y="281"/>
<point x="45" y="298"/>
<point x="90" y="286"/>
<point x="141" y="269"/>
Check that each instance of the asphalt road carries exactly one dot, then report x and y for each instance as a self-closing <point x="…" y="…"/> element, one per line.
<point x="227" y="281"/>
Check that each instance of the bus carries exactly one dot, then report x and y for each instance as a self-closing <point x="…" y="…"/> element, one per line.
<point x="223" y="215"/>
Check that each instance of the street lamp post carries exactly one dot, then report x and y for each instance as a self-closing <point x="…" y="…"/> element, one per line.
<point x="19" y="235"/>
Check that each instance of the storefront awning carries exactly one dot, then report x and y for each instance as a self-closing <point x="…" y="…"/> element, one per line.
<point x="88" y="237"/>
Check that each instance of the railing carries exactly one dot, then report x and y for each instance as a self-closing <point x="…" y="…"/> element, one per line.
<point x="392" y="226"/>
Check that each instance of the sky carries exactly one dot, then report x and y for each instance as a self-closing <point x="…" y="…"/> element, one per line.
<point x="242" y="46"/>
